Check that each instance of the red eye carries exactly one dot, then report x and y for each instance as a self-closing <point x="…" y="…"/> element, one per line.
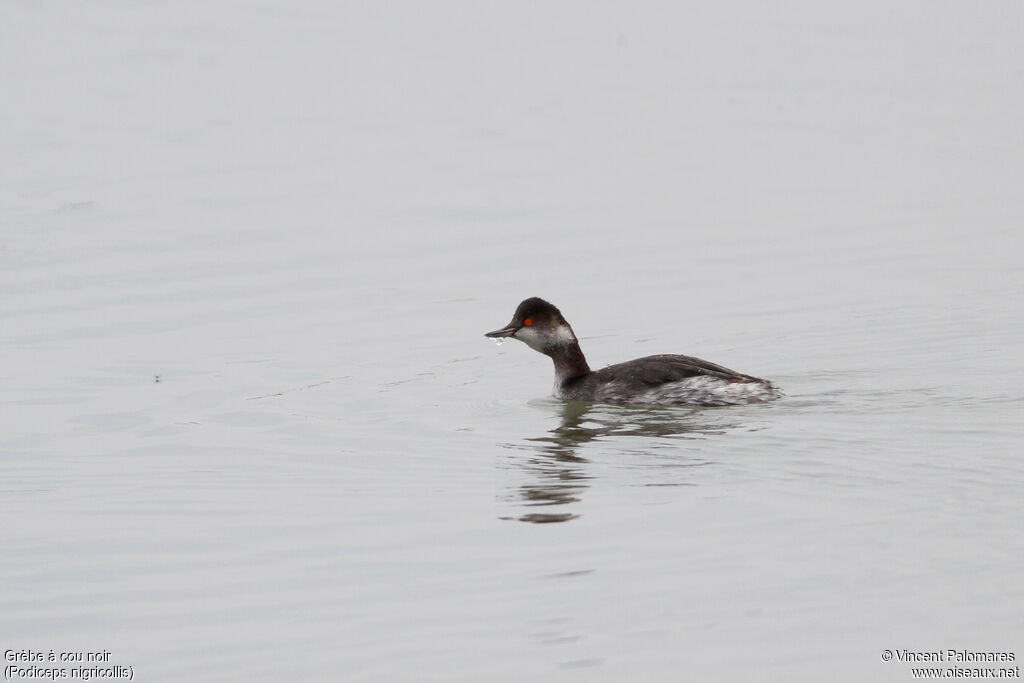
<point x="527" y="322"/>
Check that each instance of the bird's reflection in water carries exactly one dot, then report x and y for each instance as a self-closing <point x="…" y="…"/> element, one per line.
<point x="559" y="471"/>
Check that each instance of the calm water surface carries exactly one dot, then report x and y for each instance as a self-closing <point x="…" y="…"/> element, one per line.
<point x="250" y="428"/>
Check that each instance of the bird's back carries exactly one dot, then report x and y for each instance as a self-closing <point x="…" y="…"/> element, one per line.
<point x="669" y="380"/>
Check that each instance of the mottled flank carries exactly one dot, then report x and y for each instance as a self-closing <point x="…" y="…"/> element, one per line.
<point x="705" y="390"/>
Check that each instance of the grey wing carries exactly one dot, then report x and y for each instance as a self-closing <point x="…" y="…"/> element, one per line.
<point x="654" y="371"/>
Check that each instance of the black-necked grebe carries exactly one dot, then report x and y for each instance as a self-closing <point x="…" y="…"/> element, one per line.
<point x="662" y="380"/>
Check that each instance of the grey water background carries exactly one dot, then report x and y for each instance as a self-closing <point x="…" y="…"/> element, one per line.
<point x="250" y="428"/>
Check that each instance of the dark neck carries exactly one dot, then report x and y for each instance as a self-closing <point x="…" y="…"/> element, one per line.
<point x="569" y="361"/>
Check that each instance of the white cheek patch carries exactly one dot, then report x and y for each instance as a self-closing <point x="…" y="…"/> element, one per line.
<point x="564" y="335"/>
<point x="539" y="341"/>
<point x="530" y="337"/>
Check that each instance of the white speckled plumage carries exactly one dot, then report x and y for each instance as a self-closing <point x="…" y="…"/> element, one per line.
<point x="700" y="390"/>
